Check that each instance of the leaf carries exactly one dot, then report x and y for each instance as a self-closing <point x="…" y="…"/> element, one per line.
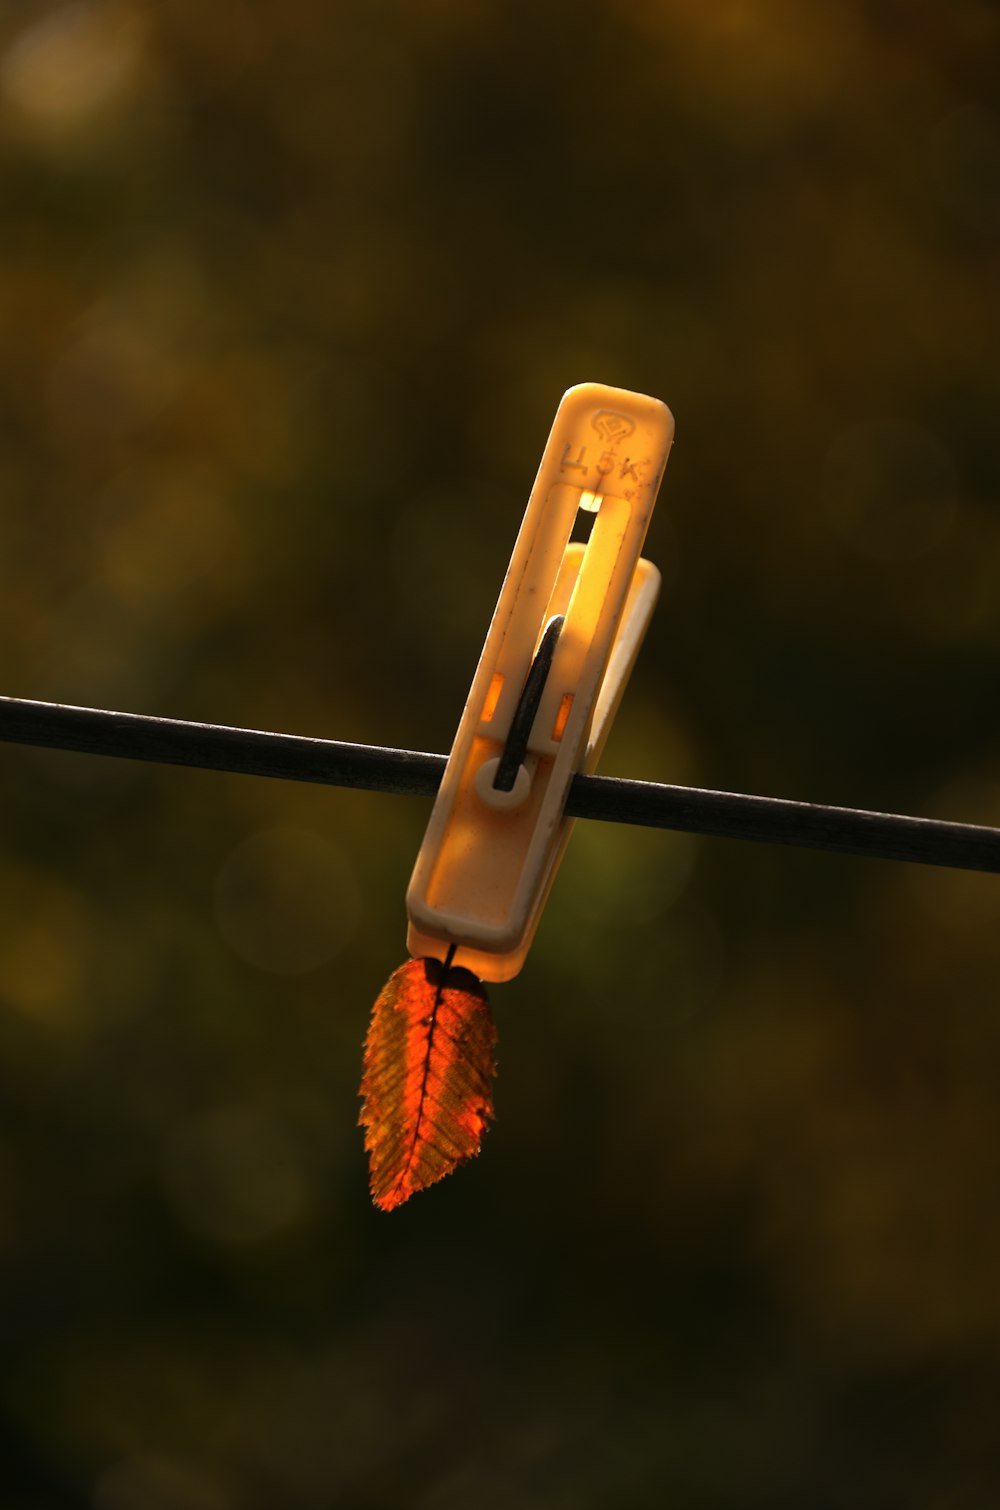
<point x="428" y="1077"/>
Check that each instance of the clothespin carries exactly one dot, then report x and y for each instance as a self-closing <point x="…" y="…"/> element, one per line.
<point x="559" y="651"/>
<point x="563" y="641"/>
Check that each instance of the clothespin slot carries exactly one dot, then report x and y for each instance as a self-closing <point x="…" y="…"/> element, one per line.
<point x="562" y="643"/>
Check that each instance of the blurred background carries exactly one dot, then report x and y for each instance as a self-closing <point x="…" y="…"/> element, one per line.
<point x="289" y="294"/>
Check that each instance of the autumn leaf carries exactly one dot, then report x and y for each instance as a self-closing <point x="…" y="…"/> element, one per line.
<point x="428" y="1077"/>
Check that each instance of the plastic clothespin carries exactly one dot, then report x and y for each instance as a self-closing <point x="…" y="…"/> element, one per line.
<point x="564" y="637"/>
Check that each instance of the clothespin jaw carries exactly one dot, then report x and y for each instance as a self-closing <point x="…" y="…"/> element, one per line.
<point x="490" y="855"/>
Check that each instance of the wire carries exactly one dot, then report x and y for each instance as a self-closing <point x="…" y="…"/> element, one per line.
<point x="769" y="820"/>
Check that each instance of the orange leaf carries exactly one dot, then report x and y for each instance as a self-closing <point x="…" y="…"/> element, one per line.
<point x="427" y="1081"/>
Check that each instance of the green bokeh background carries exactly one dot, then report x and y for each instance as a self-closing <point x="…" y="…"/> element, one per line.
<point x="289" y="293"/>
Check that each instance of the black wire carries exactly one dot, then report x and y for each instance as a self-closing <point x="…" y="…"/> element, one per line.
<point x="770" y="820"/>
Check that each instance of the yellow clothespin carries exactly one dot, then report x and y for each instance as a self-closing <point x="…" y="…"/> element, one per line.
<point x="563" y="640"/>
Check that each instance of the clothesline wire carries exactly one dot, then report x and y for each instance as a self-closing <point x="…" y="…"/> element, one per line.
<point x="290" y="757"/>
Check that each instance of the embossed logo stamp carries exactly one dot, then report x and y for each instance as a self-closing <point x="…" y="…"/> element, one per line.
<point x="612" y="426"/>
